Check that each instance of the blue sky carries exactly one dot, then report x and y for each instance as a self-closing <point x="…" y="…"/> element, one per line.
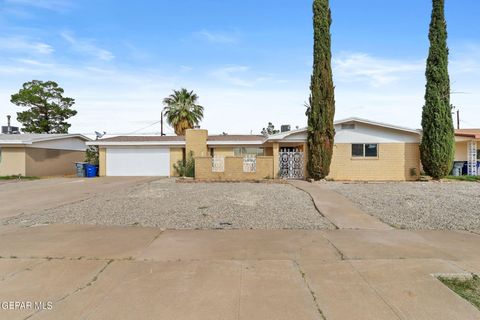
<point x="250" y="61"/>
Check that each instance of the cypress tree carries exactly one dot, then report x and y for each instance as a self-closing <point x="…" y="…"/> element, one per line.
<point x="321" y="111"/>
<point x="438" y="142"/>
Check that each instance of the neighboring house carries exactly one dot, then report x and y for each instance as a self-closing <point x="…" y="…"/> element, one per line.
<point x="41" y="154"/>
<point x="467" y="150"/>
<point x="364" y="150"/>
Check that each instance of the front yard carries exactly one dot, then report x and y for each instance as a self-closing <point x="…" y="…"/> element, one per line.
<point x="166" y="204"/>
<point x="418" y="205"/>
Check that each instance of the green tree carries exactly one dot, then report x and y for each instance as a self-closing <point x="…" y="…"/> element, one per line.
<point x="182" y="111"/>
<point x="48" y="108"/>
<point x="269" y="130"/>
<point x="321" y="110"/>
<point x="437" y="147"/>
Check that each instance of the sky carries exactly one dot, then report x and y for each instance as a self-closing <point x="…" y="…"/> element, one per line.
<point x="249" y="61"/>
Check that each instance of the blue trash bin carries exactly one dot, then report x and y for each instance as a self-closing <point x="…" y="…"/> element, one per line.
<point x="91" y="170"/>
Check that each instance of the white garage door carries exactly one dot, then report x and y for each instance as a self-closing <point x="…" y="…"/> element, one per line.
<point x="138" y="161"/>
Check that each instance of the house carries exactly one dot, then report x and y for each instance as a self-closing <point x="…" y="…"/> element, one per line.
<point x="364" y="150"/>
<point x="41" y="154"/>
<point x="467" y="150"/>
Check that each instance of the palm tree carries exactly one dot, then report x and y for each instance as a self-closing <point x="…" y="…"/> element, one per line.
<point x="182" y="111"/>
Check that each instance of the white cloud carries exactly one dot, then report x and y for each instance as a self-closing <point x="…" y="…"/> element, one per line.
<point x="87" y="47"/>
<point x="53" y="5"/>
<point x="219" y="37"/>
<point x="25" y="45"/>
<point x="238" y="76"/>
<point x="361" y="67"/>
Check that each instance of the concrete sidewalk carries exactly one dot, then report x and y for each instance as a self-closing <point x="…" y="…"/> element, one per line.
<point x="92" y="272"/>
<point x="338" y="209"/>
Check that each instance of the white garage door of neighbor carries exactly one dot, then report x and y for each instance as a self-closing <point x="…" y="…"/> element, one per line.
<point x="141" y="162"/>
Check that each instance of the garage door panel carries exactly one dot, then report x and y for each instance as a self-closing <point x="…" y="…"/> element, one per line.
<point x="137" y="161"/>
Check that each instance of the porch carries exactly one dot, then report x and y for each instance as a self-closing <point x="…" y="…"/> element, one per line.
<point x="467" y="156"/>
<point x="247" y="163"/>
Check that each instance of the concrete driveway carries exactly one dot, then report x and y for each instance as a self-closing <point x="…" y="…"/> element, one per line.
<point x="86" y="272"/>
<point x="24" y="197"/>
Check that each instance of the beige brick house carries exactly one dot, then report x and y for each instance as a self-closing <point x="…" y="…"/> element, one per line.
<point x="41" y="154"/>
<point x="364" y="150"/>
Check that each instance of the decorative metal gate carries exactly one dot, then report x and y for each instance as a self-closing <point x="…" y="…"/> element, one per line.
<point x="291" y="165"/>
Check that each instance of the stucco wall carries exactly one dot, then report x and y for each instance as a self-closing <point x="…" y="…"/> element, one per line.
<point x="12" y="161"/>
<point x="176" y="154"/>
<point x="461" y="151"/>
<point x="233" y="169"/>
<point x="395" y="162"/>
<point x="102" y="162"/>
<point x="49" y="162"/>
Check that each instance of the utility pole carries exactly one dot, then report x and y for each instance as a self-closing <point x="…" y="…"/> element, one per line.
<point x="161" y="124"/>
<point x="458" y="119"/>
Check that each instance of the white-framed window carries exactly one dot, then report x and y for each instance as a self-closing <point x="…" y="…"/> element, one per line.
<point x="365" y="150"/>
<point x="244" y="151"/>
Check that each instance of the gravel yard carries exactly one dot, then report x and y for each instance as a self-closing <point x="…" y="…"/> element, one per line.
<point x="418" y="205"/>
<point x="166" y="204"/>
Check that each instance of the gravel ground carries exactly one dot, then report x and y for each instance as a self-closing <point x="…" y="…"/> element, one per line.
<point x="418" y="205"/>
<point x="166" y="204"/>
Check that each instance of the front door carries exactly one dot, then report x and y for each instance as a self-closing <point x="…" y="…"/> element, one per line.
<point x="291" y="163"/>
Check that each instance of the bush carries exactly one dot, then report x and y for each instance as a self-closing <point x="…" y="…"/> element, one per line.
<point x="186" y="168"/>
<point x="91" y="155"/>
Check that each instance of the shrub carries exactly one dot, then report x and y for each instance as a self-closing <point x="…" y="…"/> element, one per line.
<point x="186" y="168"/>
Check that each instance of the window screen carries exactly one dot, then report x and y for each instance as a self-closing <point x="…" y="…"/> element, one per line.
<point x="357" y="150"/>
<point x="371" y="150"/>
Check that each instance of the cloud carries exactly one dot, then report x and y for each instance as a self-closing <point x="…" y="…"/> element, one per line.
<point x="219" y="37"/>
<point x="87" y="47"/>
<point x="52" y="5"/>
<point x="237" y="75"/>
<point x="361" y="67"/>
<point x="25" y="45"/>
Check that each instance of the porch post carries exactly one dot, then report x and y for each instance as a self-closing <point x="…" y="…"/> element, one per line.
<point x="472" y="158"/>
<point x="276" y="160"/>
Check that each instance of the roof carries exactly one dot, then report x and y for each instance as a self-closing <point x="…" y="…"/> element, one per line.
<point x="236" y="137"/>
<point x="29" y="138"/>
<point x="143" y="138"/>
<point x="283" y="135"/>
<point x="177" y="140"/>
<point x="378" y="124"/>
<point x="469" y="133"/>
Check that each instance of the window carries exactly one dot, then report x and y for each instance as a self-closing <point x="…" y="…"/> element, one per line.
<point x="239" y="152"/>
<point x="362" y="150"/>
<point x="478" y="155"/>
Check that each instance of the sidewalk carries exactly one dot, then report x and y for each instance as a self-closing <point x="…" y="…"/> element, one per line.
<point x="146" y="273"/>
<point x="338" y="209"/>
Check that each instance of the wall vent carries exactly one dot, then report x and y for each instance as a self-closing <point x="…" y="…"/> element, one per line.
<point x="348" y="126"/>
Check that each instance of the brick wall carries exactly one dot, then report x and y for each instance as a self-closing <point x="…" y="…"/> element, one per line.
<point x="395" y="162"/>
<point x="233" y="169"/>
<point x="196" y="141"/>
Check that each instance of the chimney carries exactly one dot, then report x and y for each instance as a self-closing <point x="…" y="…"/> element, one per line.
<point x="9" y="127"/>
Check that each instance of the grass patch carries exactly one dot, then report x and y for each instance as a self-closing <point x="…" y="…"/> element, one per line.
<point x="17" y="178"/>
<point x="469" y="289"/>
<point x="465" y="178"/>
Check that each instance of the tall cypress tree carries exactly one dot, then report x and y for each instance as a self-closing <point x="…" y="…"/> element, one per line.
<point x="321" y="111"/>
<point x="438" y="142"/>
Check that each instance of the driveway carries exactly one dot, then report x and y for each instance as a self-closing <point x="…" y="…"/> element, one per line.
<point x="27" y="197"/>
<point x="95" y="272"/>
<point x="170" y="205"/>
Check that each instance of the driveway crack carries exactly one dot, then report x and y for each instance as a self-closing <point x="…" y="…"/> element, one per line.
<point x="310" y="289"/>
<point x="68" y="295"/>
